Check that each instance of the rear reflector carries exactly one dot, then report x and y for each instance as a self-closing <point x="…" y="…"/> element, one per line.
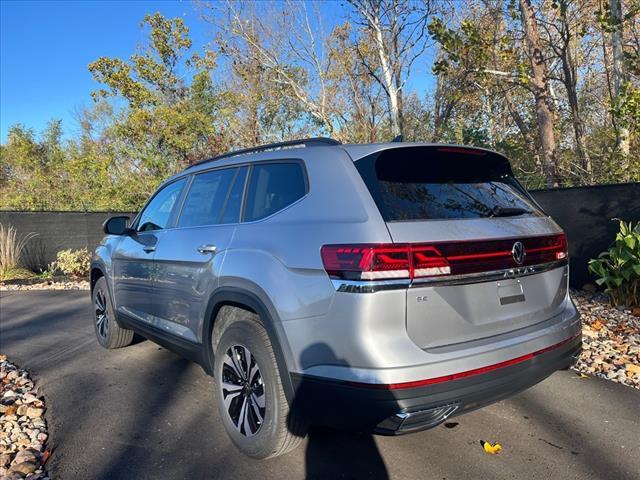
<point x="468" y="373"/>
<point x="408" y="261"/>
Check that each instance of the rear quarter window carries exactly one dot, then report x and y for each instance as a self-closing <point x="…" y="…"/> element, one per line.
<point x="273" y="187"/>
<point x="425" y="183"/>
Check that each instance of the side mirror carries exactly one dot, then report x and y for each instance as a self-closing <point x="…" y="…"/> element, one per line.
<point x="116" y="225"/>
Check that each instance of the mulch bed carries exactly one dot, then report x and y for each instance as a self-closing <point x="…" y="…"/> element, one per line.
<point x="611" y="339"/>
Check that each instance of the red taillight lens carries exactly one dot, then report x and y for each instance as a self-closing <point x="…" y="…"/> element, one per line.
<point x="379" y="262"/>
<point x="428" y="261"/>
<point x="546" y="249"/>
<point x="366" y="262"/>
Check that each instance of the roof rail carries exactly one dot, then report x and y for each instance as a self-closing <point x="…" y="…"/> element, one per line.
<point x="306" y="142"/>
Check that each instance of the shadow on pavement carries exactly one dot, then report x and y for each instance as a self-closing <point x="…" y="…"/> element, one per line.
<point x="330" y="453"/>
<point x="333" y="454"/>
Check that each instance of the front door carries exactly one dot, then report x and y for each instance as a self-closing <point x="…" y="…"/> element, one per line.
<point x="133" y="266"/>
<point x="189" y="257"/>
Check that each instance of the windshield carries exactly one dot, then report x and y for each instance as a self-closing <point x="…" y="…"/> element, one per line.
<point x="419" y="183"/>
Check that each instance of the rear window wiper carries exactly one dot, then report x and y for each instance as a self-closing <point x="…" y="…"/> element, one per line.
<point x="499" y="211"/>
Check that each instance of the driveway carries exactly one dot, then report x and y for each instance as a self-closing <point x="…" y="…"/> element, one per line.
<point x="143" y="412"/>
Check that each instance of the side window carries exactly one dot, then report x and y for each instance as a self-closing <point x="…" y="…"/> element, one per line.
<point x="157" y="213"/>
<point x="206" y="198"/>
<point x="273" y="186"/>
<point x="234" y="202"/>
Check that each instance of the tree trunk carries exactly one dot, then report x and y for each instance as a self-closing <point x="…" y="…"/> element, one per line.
<point x="522" y="126"/>
<point x="619" y="78"/>
<point x="540" y="88"/>
<point x="387" y="78"/>
<point x="570" y="80"/>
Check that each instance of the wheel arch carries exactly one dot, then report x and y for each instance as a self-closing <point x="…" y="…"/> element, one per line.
<point x="247" y="300"/>
<point x="97" y="271"/>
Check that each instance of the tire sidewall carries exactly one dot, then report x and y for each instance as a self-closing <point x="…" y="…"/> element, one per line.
<point x="246" y="333"/>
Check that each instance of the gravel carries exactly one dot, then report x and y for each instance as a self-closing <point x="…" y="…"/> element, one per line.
<point x="23" y="430"/>
<point x="66" y="284"/>
<point x="611" y="339"/>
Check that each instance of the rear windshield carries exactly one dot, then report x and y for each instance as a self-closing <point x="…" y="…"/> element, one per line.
<point x="420" y="183"/>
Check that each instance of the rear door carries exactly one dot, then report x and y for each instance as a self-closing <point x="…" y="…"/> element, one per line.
<point x="189" y="257"/>
<point x="487" y="260"/>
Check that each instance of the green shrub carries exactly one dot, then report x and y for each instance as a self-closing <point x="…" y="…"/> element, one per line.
<point x="618" y="269"/>
<point x="73" y="262"/>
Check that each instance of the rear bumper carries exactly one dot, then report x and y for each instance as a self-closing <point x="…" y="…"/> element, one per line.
<point x="403" y="410"/>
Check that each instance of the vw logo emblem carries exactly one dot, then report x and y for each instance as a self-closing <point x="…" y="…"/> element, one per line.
<point x="518" y="253"/>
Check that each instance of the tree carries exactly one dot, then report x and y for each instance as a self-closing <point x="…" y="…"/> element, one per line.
<point x="619" y="73"/>
<point x="362" y="111"/>
<point x="555" y="85"/>
<point x="398" y="30"/>
<point x="539" y="81"/>
<point x="494" y="54"/>
<point x="168" y="123"/>
<point x="565" y="25"/>
<point x="282" y="41"/>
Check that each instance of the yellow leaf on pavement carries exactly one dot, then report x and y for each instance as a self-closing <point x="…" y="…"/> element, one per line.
<point x="489" y="448"/>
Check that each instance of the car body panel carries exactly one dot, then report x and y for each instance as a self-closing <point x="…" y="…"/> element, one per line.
<point x="133" y="272"/>
<point x="186" y="277"/>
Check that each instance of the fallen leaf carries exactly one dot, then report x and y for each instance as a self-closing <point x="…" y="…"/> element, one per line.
<point x="451" y="424"/>
<point x="632" y="368"/>
<point x="597" y="325"/>
<point x="492" y="449"/>
<point x="635" y="311"/>
<point x="582" y="375"/>
<point x="622" y="348"/>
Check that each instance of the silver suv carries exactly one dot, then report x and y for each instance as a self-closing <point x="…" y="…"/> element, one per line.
<point x="376" y="287"/>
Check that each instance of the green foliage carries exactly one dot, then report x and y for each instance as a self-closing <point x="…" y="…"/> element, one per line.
<point x="618" y="269"/>
<point x="626" y="108"/>
<point x="169" y="123"/>
<point x="74" y="263"/>
<point x="48" y="272"/>
<point x="170" y="120"/>
<point x="170" y="104"/>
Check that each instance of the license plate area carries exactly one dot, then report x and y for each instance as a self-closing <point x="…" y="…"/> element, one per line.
<point x="510" y="292"/>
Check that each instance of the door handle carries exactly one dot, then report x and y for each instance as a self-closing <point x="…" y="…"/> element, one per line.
<point x="205" y="249"/>
<point x="149" y="249"/>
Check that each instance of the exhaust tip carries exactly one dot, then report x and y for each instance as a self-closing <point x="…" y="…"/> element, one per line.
<point x="404" y="422"/>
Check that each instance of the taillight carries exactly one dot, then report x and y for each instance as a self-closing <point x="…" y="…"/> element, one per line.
<point x="547" y="249"/>
<point x="428" y="261"/>
<point x="366" y="262"/>
<point x="408" y="261"/>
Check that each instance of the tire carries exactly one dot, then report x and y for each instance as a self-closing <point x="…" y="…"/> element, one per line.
<point x="267" y="428"/>
<point x="110" y="335"/>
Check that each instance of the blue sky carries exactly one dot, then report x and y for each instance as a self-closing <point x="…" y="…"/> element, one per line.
<point x="45" y="47"/>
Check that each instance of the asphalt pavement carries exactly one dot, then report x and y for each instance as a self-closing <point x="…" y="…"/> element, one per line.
<point x="143" y="412"/>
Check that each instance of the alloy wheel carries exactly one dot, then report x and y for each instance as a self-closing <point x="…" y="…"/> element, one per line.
<point x="102" y="316"/>
<point x="243" y="390"/>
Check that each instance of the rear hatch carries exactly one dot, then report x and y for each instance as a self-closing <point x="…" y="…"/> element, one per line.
<point x="486" y="260"/>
